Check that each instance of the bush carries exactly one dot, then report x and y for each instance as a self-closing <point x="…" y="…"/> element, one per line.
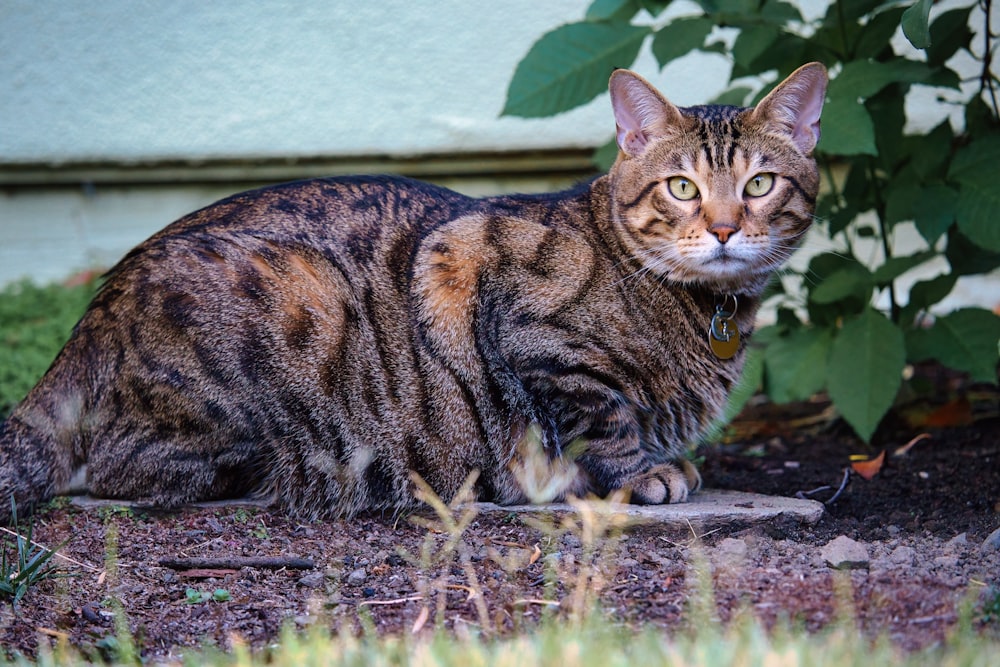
<point x="845" y="325"/>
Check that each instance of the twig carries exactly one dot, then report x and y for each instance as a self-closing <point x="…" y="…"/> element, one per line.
<point x="379" y="603"/>
<point x="236" y="562"/>
<point x="55" y="555"/>
<point x="804" y="495"/>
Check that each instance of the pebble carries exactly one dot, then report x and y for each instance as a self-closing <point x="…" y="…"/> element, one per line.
<point x="312" y="580"/>
<point x="992" y="542"/>
<point x="903" y="555"/>
<point x="844" y="553"/>
<point x="957" y="543"/>
<point x="357" y="577"/>
<point x="730" y="552"/>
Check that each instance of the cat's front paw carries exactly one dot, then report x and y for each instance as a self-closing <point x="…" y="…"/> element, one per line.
<point x="665" y="483"/>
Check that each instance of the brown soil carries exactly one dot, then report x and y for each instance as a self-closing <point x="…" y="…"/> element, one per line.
<point x="923" y="520"/>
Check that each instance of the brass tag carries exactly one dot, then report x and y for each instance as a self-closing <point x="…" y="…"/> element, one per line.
<point x="723" y="335"/>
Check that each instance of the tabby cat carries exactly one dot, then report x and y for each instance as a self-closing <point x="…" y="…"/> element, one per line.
<point x="314" y="343"/>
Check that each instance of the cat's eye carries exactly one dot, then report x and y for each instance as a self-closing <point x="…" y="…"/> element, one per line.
<point x="759" y="185"/>
<point x="682" y="188"/>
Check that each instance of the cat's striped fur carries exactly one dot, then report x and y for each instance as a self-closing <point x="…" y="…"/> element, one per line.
<point x="316" y="342"/>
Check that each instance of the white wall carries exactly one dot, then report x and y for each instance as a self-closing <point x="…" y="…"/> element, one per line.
<point x="93" y="93"/>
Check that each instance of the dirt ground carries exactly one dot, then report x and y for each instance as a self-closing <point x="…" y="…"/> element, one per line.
<point x="922" y="521"/>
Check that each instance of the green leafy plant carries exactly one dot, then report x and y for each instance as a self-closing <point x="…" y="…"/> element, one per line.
<point x="847" y="324"/>
<point x="194" y="596"/>
<point x="30" y="564"/>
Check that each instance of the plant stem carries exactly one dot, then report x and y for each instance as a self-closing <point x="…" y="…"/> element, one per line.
<point x="986" y="76"/>
<point x="894" y="309"/>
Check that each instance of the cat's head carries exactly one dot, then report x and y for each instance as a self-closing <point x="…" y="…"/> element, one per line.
<point x="715" y="195"/>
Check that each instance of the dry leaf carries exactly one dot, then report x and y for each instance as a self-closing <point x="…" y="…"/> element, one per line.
<point x="535" y="555"/>
<point x="868" y="468"/>
<point x="425" y="613"/>
<point x="953" y="413"/>
<point x="902" y="451"/>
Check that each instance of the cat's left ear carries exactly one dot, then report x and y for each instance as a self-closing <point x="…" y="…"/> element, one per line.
<point x="641" y="112"/>
<point x="795" y="105"/>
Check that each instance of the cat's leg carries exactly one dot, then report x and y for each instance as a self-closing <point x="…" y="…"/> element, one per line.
<point x="167" y="473"/>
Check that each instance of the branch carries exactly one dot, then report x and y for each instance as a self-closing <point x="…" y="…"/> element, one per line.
<point x="237" y="562"/>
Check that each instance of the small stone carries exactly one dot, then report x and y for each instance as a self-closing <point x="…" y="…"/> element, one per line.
<point x="946" y="561"/>
<point x="312" y="580"/>
<point x="730" y="552"/>
<point x="992" y="542"/>
<point x="903" y="555"/>
<point x="843" y="553"/>
<point x="957" y="543"/>
<point x="357" y="577"/>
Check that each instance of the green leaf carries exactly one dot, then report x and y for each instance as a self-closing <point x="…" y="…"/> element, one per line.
<point x="965" y="340"/>
<point x="932" y="150"/>
<point x="864" y="78"/>
<point x="796" y="365"/>
<point x="916" y="24"/>
<point x="866" y="365"/>
<point x="606" y="155"/>
<point x="680" y="37"/>
<point x="847" y="128"/>
<point x="934" y="211"/>
<point x="850" y="281"/>
<point x="966" y="258"/>
<point x="751" y="43"/>
<point x="779" y="12"/>
<point x="926" y="293"/>
<point x="975" y="169"/>
<point x="736" y="96"/>
<point x="875" y="35"/>
<point x="949" y="33"/>
<point x="611" y="10"/>
<point x="897" y="266"/>
<point x="654" y="7"/>
<point x="570" y="66"/>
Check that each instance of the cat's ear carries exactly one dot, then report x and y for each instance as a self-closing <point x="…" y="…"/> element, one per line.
<point x="795" y="105"/>
<point x="641" y="112"/>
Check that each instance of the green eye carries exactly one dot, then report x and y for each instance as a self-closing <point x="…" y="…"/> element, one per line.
<point x="759" y="185"/>
<point x="682" y="188"/>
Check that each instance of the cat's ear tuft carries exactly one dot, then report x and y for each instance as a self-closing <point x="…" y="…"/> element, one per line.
<point x="795" y="105"/>
<point x="641" y="112"/>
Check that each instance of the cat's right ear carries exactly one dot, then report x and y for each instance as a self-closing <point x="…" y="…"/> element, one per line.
<point x="641" y="113"/>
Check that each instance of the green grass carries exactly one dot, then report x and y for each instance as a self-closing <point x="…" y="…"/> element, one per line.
<point x="35" y="323"/>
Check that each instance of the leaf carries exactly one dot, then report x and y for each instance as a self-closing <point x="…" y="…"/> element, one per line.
<point x="611" y="10"/>
<point x="897" y="266"/>
<point x="868" y="468"/>
<point x="949" y="33"/>
<point x="606" y="155"/>
<point x="866" y="364"/>
<point x="796" y="365"/>
<point x="965" y="340"/>
<point x="916" y="24"/>
<point x="875" y="35"/>
<point x="932" y="151"/>
<point x="736" y="96"/>
<point x="570" y="66"/>
<point x="680" y="37"/>
<point x="975" y="169"/>
<point x="926" y="293"/>
<point x="847" y="128"/>
<point x="751" y="43"/>
<point x="934" y="211"/>
<point x="863" y="78"/>
<point x="852" y="280"/>
<point x="966" y="258"/>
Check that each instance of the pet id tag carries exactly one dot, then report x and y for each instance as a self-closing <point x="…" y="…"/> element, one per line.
<point x="723" y="334"/>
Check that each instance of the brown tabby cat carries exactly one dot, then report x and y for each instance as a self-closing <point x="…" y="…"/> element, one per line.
<point x="315" y="342"/>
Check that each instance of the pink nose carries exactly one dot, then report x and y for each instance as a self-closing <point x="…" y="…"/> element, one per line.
<point x="723" y="231"/>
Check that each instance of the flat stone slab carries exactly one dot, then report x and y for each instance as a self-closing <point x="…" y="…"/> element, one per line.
<point x="709" y="507"/>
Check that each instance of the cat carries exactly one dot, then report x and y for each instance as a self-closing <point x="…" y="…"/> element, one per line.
<point x="315" y="343"/>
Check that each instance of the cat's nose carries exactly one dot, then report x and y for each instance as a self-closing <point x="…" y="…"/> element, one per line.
<point x="723" y="230"/>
